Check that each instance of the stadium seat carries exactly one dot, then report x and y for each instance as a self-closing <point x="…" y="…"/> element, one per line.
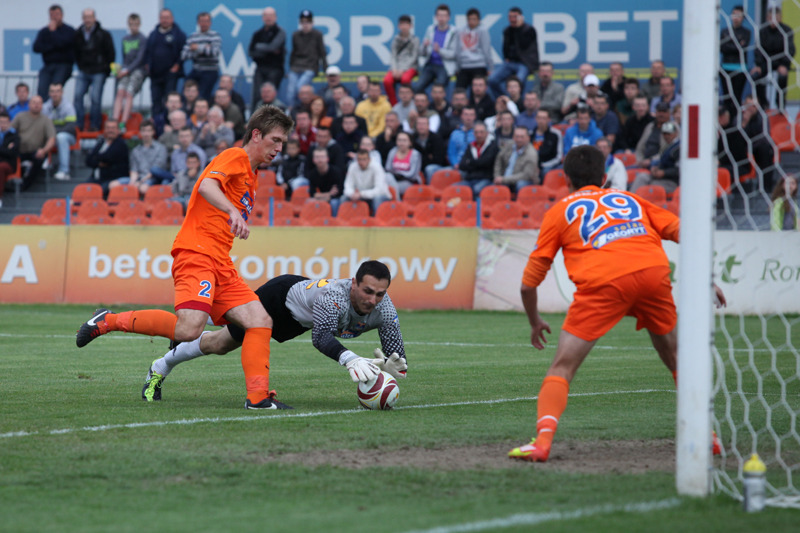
<point x="452" y="195"/>
<point x="84" y="133"/>
<point x="417" y="194"/>
<point x="299" y="197"/>
<point x="390" y="211"/>
<point x="270" y="191"/>
<point x="429" y="213"/>
<point x="655" y="194"/>
<point x="122" y="193"/>
<point x="531" y="194"/>
<point x="130" y="209"/>
<point x="89" y="216"/>
<point x="320" y="221"/>
<point x="782" y="136"/>
<point x="496" y="216"/>
<point x="131" y="219"/>
<point x="777" y="119"/>
<point x="261" y="207"/>
<point x="165" y="219"/>
<point x="554" y="179"/>
<point x="723" y="181"/>
<point x="352" y="210"/>
<point x="281" y="210"/>
<point x="167" y="207"/>
<point x="494" y="194"/>
<point x="54" y="209"/>
<point x="132" y="125"/>
<point x="627" y="159"/>
<point x="83" y="192"/>
<point x="158" y="192"/>
<point x="536" y="214"/>
<point x="286" y="221"/>
<point x="465" y="214"/>
<point x="632" y="172"/>
<point x="92" y="207"/>
<point x="265" y="178"/>
<point x="315" y="209"/>
<point x="442" y="179"/>
<point x="26" y="219"/>
<point x="395" y="222"/>
<point x="561" y="192"/>
<point x="520" y="223"/>
<point x="363" y="222"/>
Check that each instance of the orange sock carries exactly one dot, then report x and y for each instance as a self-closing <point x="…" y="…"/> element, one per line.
<point x="153" y="322"/>
<point x="255" y="362"/>
<point x="551" y="404"/>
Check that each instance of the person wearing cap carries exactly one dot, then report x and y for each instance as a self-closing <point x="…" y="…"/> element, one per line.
<point x="437" y="57"/>
<point x="403" y="62"/>
<point x="652" y="143"/>
<point x="665" y="170"/>
<point x="308" y="56"/>
<point x="520" y="53"/>
<point x="577" y="90"/>
<point x="668" y="94"/>
<point x="334" y="77"/>
<point x="268" y="51"/>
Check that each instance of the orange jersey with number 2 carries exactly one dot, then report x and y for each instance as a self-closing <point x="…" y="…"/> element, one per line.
<point x="605" y="234"/>
<point x="206" y="229"/>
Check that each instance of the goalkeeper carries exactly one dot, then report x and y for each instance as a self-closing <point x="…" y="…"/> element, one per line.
<point x="343" y="308"/>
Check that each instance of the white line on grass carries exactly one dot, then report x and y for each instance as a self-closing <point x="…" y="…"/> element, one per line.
<point x="139" y="338"/>
<point x="192" y="421"/>
<point x="530" y="519"/>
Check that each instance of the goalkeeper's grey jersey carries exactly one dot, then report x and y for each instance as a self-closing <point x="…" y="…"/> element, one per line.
<point x="324" y="306"/>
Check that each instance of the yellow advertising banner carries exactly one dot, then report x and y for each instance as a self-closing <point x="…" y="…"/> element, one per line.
<point x="432" y="268"/>
<point x="32" y="263"/>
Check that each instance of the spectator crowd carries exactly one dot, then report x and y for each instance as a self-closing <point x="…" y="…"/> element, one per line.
<point x="373" y="141"/>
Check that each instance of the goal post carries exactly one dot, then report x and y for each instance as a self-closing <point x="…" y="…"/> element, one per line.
<point x="698" y="193"/>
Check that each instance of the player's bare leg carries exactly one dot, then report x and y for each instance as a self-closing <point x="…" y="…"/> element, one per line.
<point x="552" y="400"/>
<point x="667" y="348"/>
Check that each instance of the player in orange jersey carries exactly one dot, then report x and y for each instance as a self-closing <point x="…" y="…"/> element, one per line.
<point x="611" y="242"/>
<point x="206" y="282"/>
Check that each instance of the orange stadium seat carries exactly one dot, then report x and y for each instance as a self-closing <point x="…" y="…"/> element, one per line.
<point x="417" y="194"/>
<point x="452" y="195"/>
<point x="520" y="223"/>
<point x="723" y="181"/>
<point x="655" y="194"/>
<point x="286" y="221"/>
<point x="130" y="208"/>
<point x="442" y="179"/>
<point x="536" y="213"/>
<point x="165" y="219"/>
<point x="531" y="194"/>
<point x="632" y="172"/>
<point x="498" y="214"/>
<point x="131" y="219"/>
<point x="315" y="209"/>
<point x="554" y="179"/>
<point x="122" y="193"/>
<point x="271" y="191"/>
<point x="627" y="159"/>
<point x="465" y="214"/>
<point x="320" y="221"/>
<point x="561" y="192"/>
<point x="83" y="192"/>
<point x="95" y="206"/>
<point x="352" y="210"/>
<point x="266" y="178"/>
<point x="54" y="208"/>
<point x="299" y="197"/>
<point x="132" y="125"/>
<point x="429" y="213"/>
<point x="494" y="194"/>
<point x="357" y="221"/>
<point x="167" y="207"/>
<point x="155" y="194"/>
<point x="390" y="211"/>
<point x="26" y="219"/>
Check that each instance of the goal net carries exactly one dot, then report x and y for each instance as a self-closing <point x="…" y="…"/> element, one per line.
<point x="756" y="348"/>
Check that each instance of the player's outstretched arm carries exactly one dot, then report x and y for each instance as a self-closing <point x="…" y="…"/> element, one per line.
<point x="530" y="301"/>
<point x="211" y="190"/>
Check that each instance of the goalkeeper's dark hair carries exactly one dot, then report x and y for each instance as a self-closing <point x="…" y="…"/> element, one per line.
<point x="585" y="165"/>
<point x="376" y="269"/>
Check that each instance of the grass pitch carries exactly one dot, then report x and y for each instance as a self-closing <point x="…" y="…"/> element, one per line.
<point x="80" y="450"/>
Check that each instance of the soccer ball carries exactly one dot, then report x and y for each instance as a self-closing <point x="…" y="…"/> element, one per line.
<point x="379" y="393"/>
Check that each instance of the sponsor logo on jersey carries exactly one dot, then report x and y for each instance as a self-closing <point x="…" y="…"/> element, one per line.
<point x="619" y="231"/>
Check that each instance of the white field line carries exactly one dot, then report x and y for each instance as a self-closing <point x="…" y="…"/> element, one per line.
<point x="139" y="338"/>
<point x="254" y="417"/>
<point x="530" y="519"/>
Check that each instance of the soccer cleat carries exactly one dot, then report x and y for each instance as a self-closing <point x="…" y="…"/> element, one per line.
<point x="270" y="402"/>
<point x="151" y="391"/>
<point x="92" y="329"/>
<point x="530" y="452"/>
<point x="716" y="447"/>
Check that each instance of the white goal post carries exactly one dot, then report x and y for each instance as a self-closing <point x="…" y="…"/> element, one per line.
<point x="695" y="322"/>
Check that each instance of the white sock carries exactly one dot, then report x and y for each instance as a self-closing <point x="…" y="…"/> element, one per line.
<point x="186" y="351"/>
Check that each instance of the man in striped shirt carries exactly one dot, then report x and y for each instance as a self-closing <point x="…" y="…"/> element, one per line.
<point x="203" y="48"/>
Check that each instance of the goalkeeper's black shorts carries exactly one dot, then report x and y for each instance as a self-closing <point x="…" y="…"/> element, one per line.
<point x="272" y="295"/>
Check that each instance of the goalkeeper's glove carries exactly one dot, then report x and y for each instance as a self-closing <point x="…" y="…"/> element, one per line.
<point x="393" y="364"/>
<point x="360" y="368"/>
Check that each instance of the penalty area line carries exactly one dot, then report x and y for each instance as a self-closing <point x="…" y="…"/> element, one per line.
<point x="530" y="519"/>
<point x="254" y="417"/>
